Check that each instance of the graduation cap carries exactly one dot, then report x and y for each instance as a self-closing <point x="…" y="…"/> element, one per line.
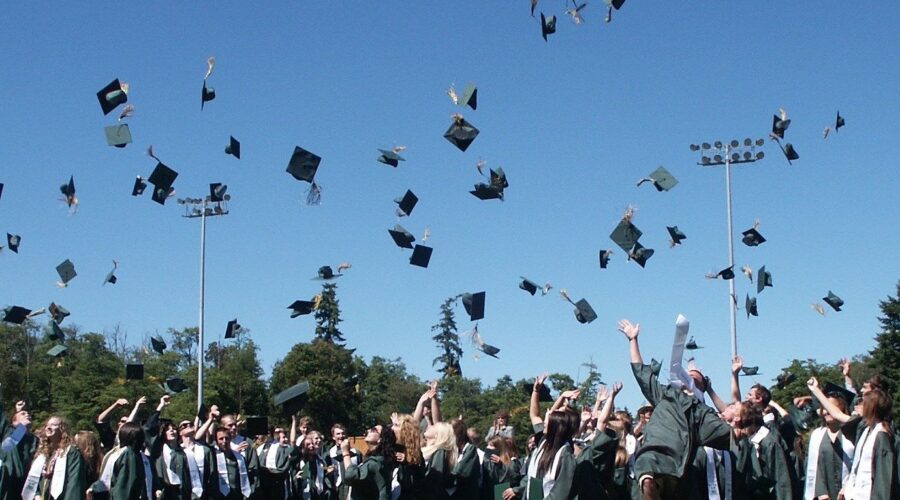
<point x="752" y="237"/>
<point x="139" y="186"/>
<point x="58" y="351"/>
<point x="676" y="235"/>
<point x="174" y="385"/>
<point x="16" y="315"/>
<point x="326" y="273"/>
<point x="584" y="313"/>
<point x="763" y="279"/>
<point x="726" y="274"/>
<point x="833" y="300"/>
<point x="839" y="121"/>
<point x="461" y="133"/>
<point x="68" y="190"/>
<point x="111" y="276"/>
<point x="750" y="307"/>
<point x="789" y="152"/>
<point x="604" y="258"/>
<point x="112" y="95"/>
<point x="421" y="256"/>
<point x="661" y="178"/>
<point x="233" y="148"/>
<point x="402" y="237"/>
<point x="293" y="399"/>
<point x="66" y="271"/>
<point x="803" y="418"/>
<point x="203" y="412"/>
<point x="407" y="203"/>
<point x="301" y="307"/>
<point x="750" y="370"/>
<point x="217" y="191"/>
<point x="118" y="135"/>
<point x="232" y="329"/>
<point x="528" y="285"/>
<point x="544" y="395"/>
<point x="498" y="179"/>
<point x="303" y="164"/>
<point x="162" y="179"/>
<point x="390" y="158"/>
<point x="489" y="350"/>
<point x="134" y="371"/>
<point x="548" y="26"/>
<point x="158" y="344"/>
<point x="626" y="235"/>
<point x="640" y="254"/>
<point x="484" y="191"/>
<point x="469" y="97"/>
<point x="58" y="312"/>
<point x="208" y="94"/>
<point x="56" y="332"/>
<point x="692" y="345"/>
<point x="779" y="126"/>
<point x="784" y="378"/>
<point x="834" y="390"/>
<point x="1" y="189"/>
<point x="257" y="426"/>
<point x="13" y="241"/>
<point x="474" y="305"/>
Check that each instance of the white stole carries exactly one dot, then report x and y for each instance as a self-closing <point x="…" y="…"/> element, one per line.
<point x="224" y="486"/>
<point x="812" y="460"/>
<point x="33" y="480"/>
<point x="337" y="457"/>
<point x="758" y="437"/>
<point x="272" y="456"/>
<point x="171" y="477"/>
<point x="319" y="480"/>
<point x="395" y="484"/>
<point x="549" y="479"/>
<point x="109" y="463"/>
<point x="712" y="483"/>
<point x="195" y="466"/>
<point x="859" y="482"/>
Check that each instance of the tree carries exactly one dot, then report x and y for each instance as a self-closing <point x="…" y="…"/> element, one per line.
<point x="590" y="384"/>
<point x="328" y="315"/>
<point x="447" y="340"/>
<point x="802" y="370"/>
<point x="461" y="396"/>
<point x="386" y="387"/>
<point x="885" y="357"/>
<point x="234" y="379"/>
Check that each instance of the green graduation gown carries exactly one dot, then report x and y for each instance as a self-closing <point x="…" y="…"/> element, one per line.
<point x="564" y="487"/>
<point x="438" y="477"/>
<point x="370" y="480"/>
<point x="76" y="478"/>
<point x="771" y="475"/>
<point x="274" y="483"/>
<point x="178" y="465"/>
<point x="596" y="467"/>
<point x="467" y="472"/>
<point x="128" y="480"/>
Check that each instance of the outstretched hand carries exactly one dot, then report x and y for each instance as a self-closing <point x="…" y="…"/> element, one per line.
<point x="20" y="405"/>
<point x="539" y="381"/>
<point x="616" y="388"/>
<point x="630" y="330"/>
<point x="844" y="363"/>
<point x="812" y="383"/>
<point x="571" y="394"/>
<point x="736" y="364"/>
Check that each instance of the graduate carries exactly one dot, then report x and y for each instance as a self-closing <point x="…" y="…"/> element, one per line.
<point x="440" y="453"/>
<point x="242" y="445"/>
<point x="276" y="459"/>
<point x="500" y="465"/>
<point x="311" y="481"/>
<point x="200" y="460"/>
<point x="595" y="467"/>
<point x="231" y="468"/>
<point x="170" y="461"/>
<point x="19" y="446"/>
<point x="371" y="479"/>
<point x="829" y="455"/>
<point x="768" y="471"/>
<point x="58" y="470"/>
<point x="467" y="470"/>
<point x="410" y="472"/>
<point x="551" y="468"/>
<point x="131" y="475"/>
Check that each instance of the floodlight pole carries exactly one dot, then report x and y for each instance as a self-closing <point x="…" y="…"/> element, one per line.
<point x="195" y="208"/>
<point x="733" y="153"/>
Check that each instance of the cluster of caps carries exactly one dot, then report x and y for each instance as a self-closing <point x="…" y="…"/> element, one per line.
<point x="548" y="22"/>
<point x="473" y="303"/>
<point x="421" y="254"/>
<point x="325" y="273"/>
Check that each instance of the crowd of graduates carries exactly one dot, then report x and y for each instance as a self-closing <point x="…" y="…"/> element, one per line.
<point x="685" y="443"/>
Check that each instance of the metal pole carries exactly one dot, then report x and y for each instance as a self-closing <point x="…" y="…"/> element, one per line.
<point x="200" y="343"/>
<point x="732" y="298"/>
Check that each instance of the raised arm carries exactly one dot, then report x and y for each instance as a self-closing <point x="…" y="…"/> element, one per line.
<point x="210" y="418"/>
<point x="534" y="408"/>
<point x="736" y="364"/>
<point x="424" y="398"/>
<point x="714" y="396"/>
<point x="104" y="416"/>
<point x="845" y="370"/>
<point x="631" y="332"/>
<point x="827" y="405"/>
<point x="608" y="406"/>
<point x="564" y="398"/>
<point x="137" y="406"/>
<point x="293" y="430"/>
<point x="435" y="404"/>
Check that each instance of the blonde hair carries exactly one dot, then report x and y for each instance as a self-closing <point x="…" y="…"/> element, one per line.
<point x="47" y="448"/>
<point x="410" y="439"/>
<point x="444" y="439"/>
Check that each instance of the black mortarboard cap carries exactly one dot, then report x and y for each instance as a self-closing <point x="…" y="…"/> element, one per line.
<point x="57" y="351"/>
<point x="257" y="426"/>
<point x="162" y="179"/>
<point x="402" y="237"/>
<point x="421" y="256"/>
<point x="233" y="148"/>
<point x="390" y="158"/>
<point x="584" y="313"/>
<point x="662" y="179"/>
<point x="293" y="399"/>
<point x="139" y="186"/>
<point x="461" y="133"/>
<point x="56" y="332"/>
<point x="326" y="273"/>
<point x="763" y="279"/>
<point x="750" y="306"/>
<point x="691" y="345"/>
<point x="616" y="3"/>
<point x="498" y="179"/>
<point x="174" y="385"/>
<point x="626" y="235"/>
<point x="752" y="237"/>
<point x="16" y="315"/>
<point x="790" y="153"/>
<point x="484" y="191"/>
<point x="232" y="329"/>
<point x="207" y="95"/>
<point x="469" y="97"/>
<point x="13" y="241"/>
<point x="750" y="370"/>
<point x="528" y="285"/>
<point x="548" y="26"/>
<point x="58" y="312"/>
<point x="835" y="390"/>
<point x="301" y="307"/>
<point x="134" y="371"/>
<point x="203" y="412"/>
<point x="303" y="164"/>
<point x="544" y="395"/>
<point x="1" y="189"/>
<point x="604" y="258"/>
<point x="111" y="277"/>
<point x="675" y="234"/>
<point x="727" y="273"/>
<point x="118" y="135"/>
<point x="68" y="189"/>
<point x="66" y="271"/>
<point x="834" y="301"/>
<point x="474" y="304"/>
<point x="158" y="344"/>
<point x="640" y="254"/>
<point x="779" y="126"/>
<point x="217" y="191"/>
<point x="839" y="121"/>
<point x="489" y="350"/>
<point x="784" y="378"/>
<point x="803" y="418"/>
<point x="408" y="202"/>
<point x="111" y="96"/>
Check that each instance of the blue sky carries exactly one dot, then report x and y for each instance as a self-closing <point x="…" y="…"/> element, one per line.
<point x="574" y="122"/>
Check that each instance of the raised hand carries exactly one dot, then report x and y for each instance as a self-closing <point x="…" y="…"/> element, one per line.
<point x="736" y="364"/>
<point x="812" y="383"/>
<point x="572" y="394"/>
<point x="630" y="330"/>
<point x="122" y="402"/>
<point x="539" y="380"/>
<point x="20" y="406"/>
<point x="617" y="388"/>
<point x="141" y="401"/>
<point x="844" y="363"/>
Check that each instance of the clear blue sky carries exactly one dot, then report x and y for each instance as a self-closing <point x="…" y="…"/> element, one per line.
<point x="574" y="122"/>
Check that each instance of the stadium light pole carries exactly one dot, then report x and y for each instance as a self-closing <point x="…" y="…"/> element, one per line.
<point x="203" y="208"/>
<point x="727" y="154"/>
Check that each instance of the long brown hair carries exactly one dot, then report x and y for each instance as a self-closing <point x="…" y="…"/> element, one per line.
<point x="410" y="439"/>
<point x="877" y="406"/>
<point x="498" y="443"/>
<point x="89" y="445"/>
<point x="64" y="432"/>
<point x="561" y="427"/>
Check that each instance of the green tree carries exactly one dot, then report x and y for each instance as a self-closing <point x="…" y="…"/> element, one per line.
<point x="234" y="378"/>
<point x="461" y="396"/>
<point x="328" y="315"/>
<point x="885" y="357"/>
<point x="447" y="339"/>
<point x="802" y="370"/>
<point x="590" y="384"/>
<point x="386" y="387"/>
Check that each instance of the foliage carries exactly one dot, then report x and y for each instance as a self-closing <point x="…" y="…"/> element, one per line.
<point x="802" y="371"/>
<point x="328" y="315"/>
<point x="386" y="387"/>
<point x="885" y="357"/>
<point x="447" y="340"/>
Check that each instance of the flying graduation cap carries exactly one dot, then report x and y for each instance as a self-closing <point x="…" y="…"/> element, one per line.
<point x="16" y="315"/>
<point x="134" y="371"/>
<point x="406" y="203"/>
<point x="661" y="178"/>
<point x="789" y="152"/>
<point x="56" y="332"/>
<point x="66" y="271"/>
<point x="750" y="306"/>
<point x="58" y="312"/>
<point x="752" y="237"/>
<point x="158" y="344"/>
<point x="293" y="399"/>
<point x="461" y="133"/>
<point x="626" y="235"/>
<point x="528" y="285"/>
<point x="326" y="273"/>
<point x="232" y="329"/>
<point x="839" y="121"/>
<point x="474" y="305"/>
<point x="302" y="307"/>
<point x="780" y="124"/>
<point x="162" y="179"/>
<point x="58" y="351"/>
<point x="421" y="256"/>
<point x="584" y="313"/>
<point x="217" y="192"/>
<point x="139" y="186"/>
<point x="391" y="158"/>
<point x="726" y="274"/>
<point x="617" y="4"/>
<point x="691" y="345"/>
<point x="675" y="235"/>
<point x="68" y="191"/>
<point x="402" y="237"/>
<point x="469" y="97"/>
<point x="112" y="95"/>
<point x="834" y="301"/>
<point x="548" y="26"/>
<point x="208" y="93"/>
<point x="118" y="135"/>
<point x="763" y="279"/>
<point x="233" y="148"/>
<point x="604" y="258"/>
<point x="750" y="370"/>
<point x="174" y="385"/>
<point x="641" y="255"/>
<point x="303" y="165"/>
<point x="13" y="241"/>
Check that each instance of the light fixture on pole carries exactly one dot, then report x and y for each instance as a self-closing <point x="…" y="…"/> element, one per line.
<point x="213" y="205"/>
<point x="729" y="153"/>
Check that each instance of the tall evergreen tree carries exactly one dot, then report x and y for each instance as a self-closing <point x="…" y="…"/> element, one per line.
<point x="885" y="357"/>
<point x="328" y="315"/>
<point x="447" y="340"/>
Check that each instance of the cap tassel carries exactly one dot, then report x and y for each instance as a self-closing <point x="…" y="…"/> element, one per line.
<point x="480" y="166"/>
<point x="565" y="295"/>
<point x="343" y="266"/>
<point x="826" y="132"/>
<point x="457" y="118"/>
<point x="453" y="95"/>
<point x="609" y="14"/>
<point x="127" y="112"/>
<point x="152" y="155"/>
<point x="819" y="308"/>
<point x="314" y="194"/>
<point x="317" y="301"/>
<point x="210" y="64"/>
<point x="547" y="287"/>
<point x="426" y="234"/>
<point x="629" y="213"/>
